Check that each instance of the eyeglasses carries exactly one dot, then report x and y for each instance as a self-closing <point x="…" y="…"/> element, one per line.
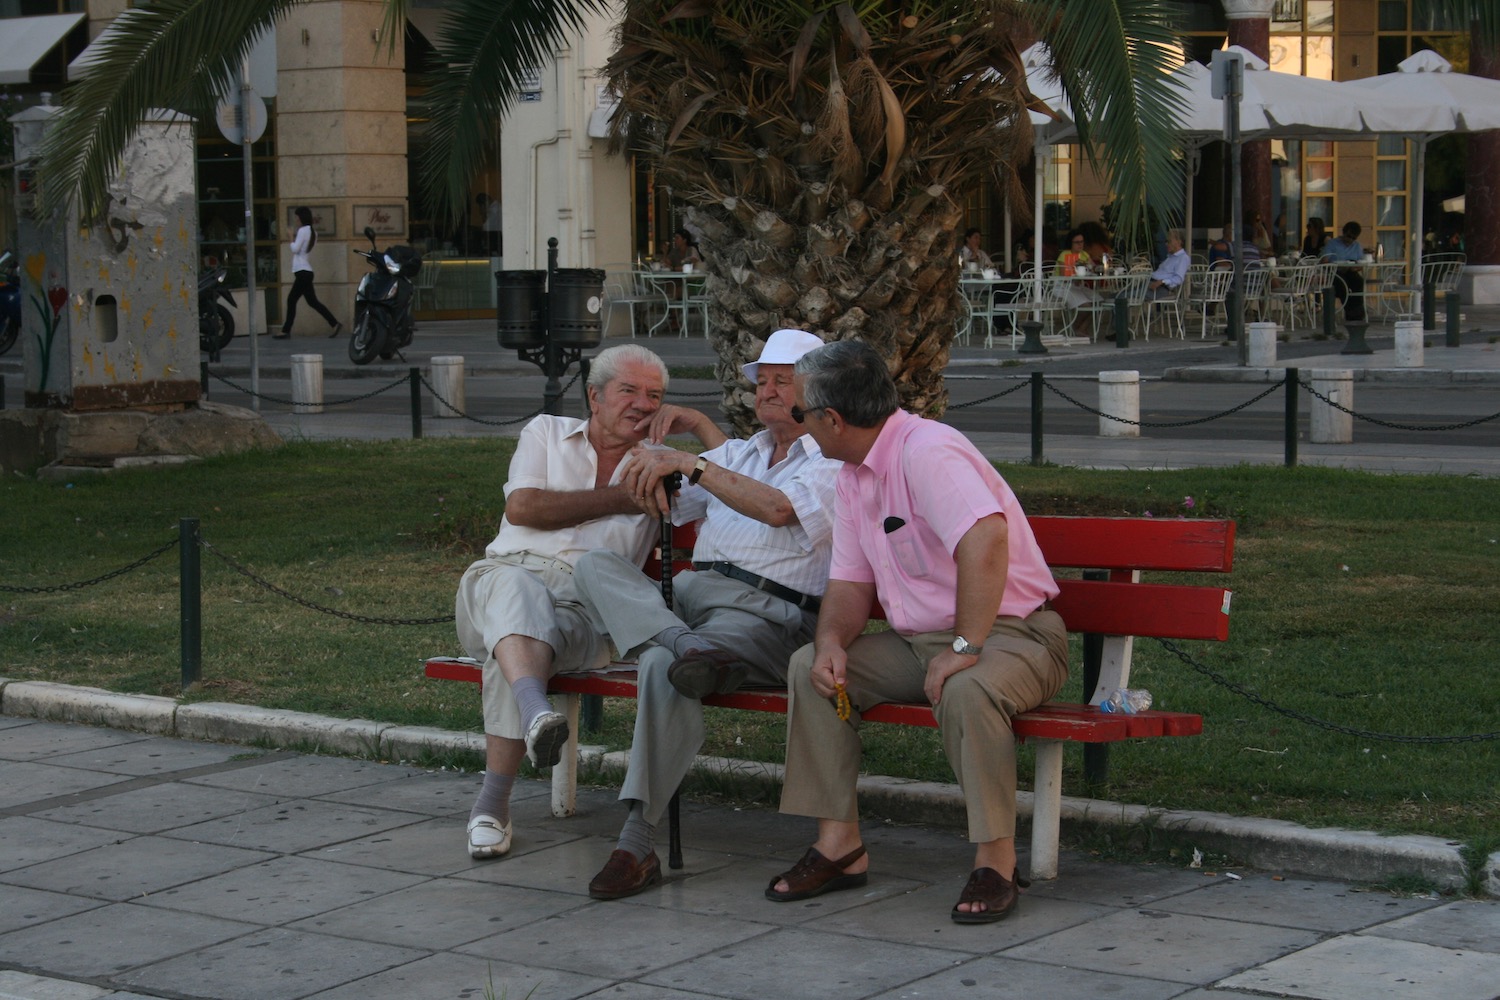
<point x="1078" y="243"/>
<point x="799" y="414"/>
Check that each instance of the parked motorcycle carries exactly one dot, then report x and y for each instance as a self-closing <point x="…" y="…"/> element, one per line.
<point x="383" y="302"/>
<point x="10" y="301"/>
<point x="215" y="323"/>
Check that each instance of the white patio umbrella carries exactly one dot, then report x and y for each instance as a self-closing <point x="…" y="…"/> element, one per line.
<point x="1473" y="102"/>
<point x="1288" y="106"/>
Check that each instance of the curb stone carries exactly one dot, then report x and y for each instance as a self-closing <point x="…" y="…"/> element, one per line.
<point x="1349" y="855"/>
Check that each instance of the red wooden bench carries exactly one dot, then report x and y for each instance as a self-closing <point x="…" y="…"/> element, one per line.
<point x="1112" y="603"/>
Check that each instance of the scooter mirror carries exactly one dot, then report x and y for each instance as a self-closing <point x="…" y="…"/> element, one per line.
<point x="370" y="233"/>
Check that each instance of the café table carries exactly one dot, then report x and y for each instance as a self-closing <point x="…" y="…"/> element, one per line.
<point x="684" y="292"/>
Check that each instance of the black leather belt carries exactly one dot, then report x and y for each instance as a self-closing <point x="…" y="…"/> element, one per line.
<point x="806" y="602"/>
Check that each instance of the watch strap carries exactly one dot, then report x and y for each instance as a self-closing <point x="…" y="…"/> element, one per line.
<point x="698" y="469"/>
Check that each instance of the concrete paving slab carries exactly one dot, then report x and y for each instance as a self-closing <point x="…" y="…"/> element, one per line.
<point x="157" y="808"/>
<point x="441" y="913"/>
<point x="249" y="723"/>
<point x="133" y="868"/>
<point x="301" y="775"/>
<point x="1313" y="905"/>
<point x="430" y="793"/>
<point x="36" y="742"/>
<point x="28" y="840"/>
<point x="25" y="986"/>
<point x="432" y="847"/>
<point x="1362" y="967"/>
<point x="92" y="706"/>
<point x="1006" y="978"/>
<point x="279" y="891"/>
<point x="291" y="826"/>
<point x="1161" y="945"/>
<point x="446" y="976"/>
<point x="798" y="962"/>
<point x="153" y="757"/>
<point x="543" y="860"/>
<point x="1119" y="884"/>
<point x="21" y="907"/>
<point x="270" y="965"/>
<point x="113" y="939"/>
<point x="1467" y="925"/>
<point x="32" y="785"/>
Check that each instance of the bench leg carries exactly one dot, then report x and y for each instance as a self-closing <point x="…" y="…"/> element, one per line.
<point x="1046" y="809"/>
<point x="674" y="832"/>
<point x="565" y="771"/>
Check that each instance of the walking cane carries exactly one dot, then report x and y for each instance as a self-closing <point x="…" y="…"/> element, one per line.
<point x="673" y="483"/>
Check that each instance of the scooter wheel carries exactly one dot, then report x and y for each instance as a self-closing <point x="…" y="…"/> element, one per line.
<point x="367" y="341"/>
<point x="9" y="331"/>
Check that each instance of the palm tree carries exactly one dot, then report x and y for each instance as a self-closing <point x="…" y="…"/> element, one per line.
<point x="824" y="147"/>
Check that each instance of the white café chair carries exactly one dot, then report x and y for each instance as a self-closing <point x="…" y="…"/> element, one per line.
<point x="1209" y="289"/>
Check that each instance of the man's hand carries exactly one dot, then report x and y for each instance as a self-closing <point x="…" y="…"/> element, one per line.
<point x="671" y="419"/>
<point x="940" y="668"/>
<point x="828" y="670"/>
<point x="644" y="471"/>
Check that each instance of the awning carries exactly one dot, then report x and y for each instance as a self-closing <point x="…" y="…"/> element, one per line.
<point x="27" y="40"/>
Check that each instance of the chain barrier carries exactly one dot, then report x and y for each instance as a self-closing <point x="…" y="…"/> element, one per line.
<point x="1310" y="720"/>
<point x="348" y="615"/>
<point x="322" y="402"/>
<point x="694" y="395"/>
<point x="987" y="399"/>
<point x="1391" y="424"/>
<point x="63" y="587"/>
<point x="1163" y="423"/>
<point x="480" y="420"/>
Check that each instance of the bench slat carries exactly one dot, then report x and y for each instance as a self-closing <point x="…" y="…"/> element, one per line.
<point x="1186" y="545"/>
<point x="1168" y="611"/>
<point x="1052" y="721"/>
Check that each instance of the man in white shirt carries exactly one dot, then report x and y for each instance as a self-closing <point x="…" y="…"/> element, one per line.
<point x="759" y="569"/>
<point x="1167" y="278"/>
<point x="517" y="608"/>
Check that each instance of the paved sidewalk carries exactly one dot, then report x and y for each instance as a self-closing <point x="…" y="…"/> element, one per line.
<point x="147" y="866"/>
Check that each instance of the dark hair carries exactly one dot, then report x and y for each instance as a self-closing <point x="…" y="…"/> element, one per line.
<point x="687" y="237"/>
<point x="1352" y="230"/>
<point x="304" y="216"/>
<point x="1094" y="234"/>
<point x="1073" y="234"/>
<point x="970" y="232"/>
<point x="851" y="377"/>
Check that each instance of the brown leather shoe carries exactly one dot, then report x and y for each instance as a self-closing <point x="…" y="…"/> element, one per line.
<point x="707" y="671"/>
<point x="623" y="876"/>
<point x="998" y="894"/>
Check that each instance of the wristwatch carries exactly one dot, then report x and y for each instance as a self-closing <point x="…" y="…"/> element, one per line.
<point x="964" y="646"/>
<point x="697" y="473"/>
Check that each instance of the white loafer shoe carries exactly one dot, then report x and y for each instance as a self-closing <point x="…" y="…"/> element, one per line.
<point x="487" y="838"/>
<point x="545" y="739"/>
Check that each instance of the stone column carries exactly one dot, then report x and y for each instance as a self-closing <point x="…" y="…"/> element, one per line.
<point x="448" y="383"/>
<point x="1250" y="28"/>
<point x="307" y="383"/>
<point x="1482" y="195"/>
<point x="1119" y="396"/>
<point x="1326" y="423"/>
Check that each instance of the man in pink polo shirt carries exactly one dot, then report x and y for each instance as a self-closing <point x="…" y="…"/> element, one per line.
<point x="924" y="523"/>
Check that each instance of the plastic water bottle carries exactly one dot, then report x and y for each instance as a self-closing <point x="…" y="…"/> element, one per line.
<point x="1126" y="700"/>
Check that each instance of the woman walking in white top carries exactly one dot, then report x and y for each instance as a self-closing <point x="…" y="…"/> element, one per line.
<point x="302" y="278"/>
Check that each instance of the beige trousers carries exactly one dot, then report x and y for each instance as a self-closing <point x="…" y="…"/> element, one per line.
<point x="1025" y="662"/>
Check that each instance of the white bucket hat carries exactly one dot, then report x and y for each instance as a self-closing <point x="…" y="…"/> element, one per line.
<point x="783" y="347"/>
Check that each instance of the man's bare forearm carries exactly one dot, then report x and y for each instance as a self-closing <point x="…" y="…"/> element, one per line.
<point x="548" y="510"/>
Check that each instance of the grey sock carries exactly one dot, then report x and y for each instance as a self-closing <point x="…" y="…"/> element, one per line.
<point x="637" y="837"/>
<point x="531" y="699"/>
<point x="494" y="797"/>
<point x="681" y="640"/>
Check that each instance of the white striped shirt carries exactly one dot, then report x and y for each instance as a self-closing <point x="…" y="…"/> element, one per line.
<point x="794" y="556"/>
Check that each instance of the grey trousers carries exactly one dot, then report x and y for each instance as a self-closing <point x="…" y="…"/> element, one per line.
<point x="1025" y="662"/>
<point x="619" y="599"/>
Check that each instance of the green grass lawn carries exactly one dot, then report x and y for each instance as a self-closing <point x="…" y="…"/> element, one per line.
<point x="1367" y="601"/>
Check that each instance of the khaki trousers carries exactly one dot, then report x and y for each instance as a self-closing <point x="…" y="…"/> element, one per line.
<point x="1025" y="662"/>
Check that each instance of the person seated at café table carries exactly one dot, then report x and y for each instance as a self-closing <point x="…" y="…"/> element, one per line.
<point x="1075" y="254"/>
<point x="684" y="250"/>
<point x="1096" y="244"/>
<point x="1167" y="278"/>
<point x="970" y="254"/>
<point x="1348" y="279"/>
<point x="1317" y="236"/>
<point x="1221" y="256"/>
<point x="1077" y="293"/>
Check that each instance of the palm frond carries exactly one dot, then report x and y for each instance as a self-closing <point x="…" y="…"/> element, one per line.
<point x="485" y="51"/>
<point x="1480" y="17"/>
<point x="178" y="54"/>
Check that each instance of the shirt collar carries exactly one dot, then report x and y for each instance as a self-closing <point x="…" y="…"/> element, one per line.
<point x="887" y="444"/>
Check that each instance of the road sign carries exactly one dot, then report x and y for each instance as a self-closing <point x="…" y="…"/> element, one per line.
<point x="228" y="116"/>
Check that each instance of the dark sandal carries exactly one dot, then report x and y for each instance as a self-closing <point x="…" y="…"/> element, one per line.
<point x="815" y="875"/>
<point x="998" y="894"/>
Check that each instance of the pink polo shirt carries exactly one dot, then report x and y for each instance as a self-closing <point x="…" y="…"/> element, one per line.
<point x="902" y="511"/>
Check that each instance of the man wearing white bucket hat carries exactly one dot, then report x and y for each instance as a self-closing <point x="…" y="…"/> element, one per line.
<point x="759" y="569"/>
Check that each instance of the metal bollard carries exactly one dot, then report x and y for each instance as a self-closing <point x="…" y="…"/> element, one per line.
<point x="1357" y="343"/>
<point x="307" y="383"/>
<point x="1454" y="319"/>
<point x="1330" y="303"/>
<point x="1292" y="386"/>
<point x="414" y="377"/>
<point x="1122" y="321"/>
<point x="1036" y="418"/>
<point x="1119" y="396"/>
<point x="1429" y="304"/>
<point x="190" y="601"/>
<point x="1032" y="344"/>
<point x="203" y="379"/>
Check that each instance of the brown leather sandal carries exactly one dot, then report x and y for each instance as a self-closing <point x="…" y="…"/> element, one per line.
<point x="998" y="894"/>
<point x="815" y="875"/>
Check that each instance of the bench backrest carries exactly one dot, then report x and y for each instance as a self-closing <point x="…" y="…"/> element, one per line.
<point x="1117" y="549"/>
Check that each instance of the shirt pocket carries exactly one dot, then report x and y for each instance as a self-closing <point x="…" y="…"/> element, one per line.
<point x="910" y="555"/>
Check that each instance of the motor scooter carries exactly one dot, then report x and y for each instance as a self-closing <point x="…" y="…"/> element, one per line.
<point x="215" y="323"/>
<point x="10" y="301"/>
<point x="383" y="302"/>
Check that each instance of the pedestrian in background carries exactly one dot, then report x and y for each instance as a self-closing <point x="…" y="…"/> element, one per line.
<point x="302" y="277"/>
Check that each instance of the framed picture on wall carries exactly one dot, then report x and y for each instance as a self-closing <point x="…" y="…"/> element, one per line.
<point x="386" y="220"/>
<point x="325" y="219"/>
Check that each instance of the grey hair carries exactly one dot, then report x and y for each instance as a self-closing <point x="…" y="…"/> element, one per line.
<point x="851" y="377"/>
<point x="607" y="364"/>
<point x="1175" y="234"/>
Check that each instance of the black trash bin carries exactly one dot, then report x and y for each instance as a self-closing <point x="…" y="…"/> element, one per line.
<point x="518" y="309"/>
<point x="576" y="298"/>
